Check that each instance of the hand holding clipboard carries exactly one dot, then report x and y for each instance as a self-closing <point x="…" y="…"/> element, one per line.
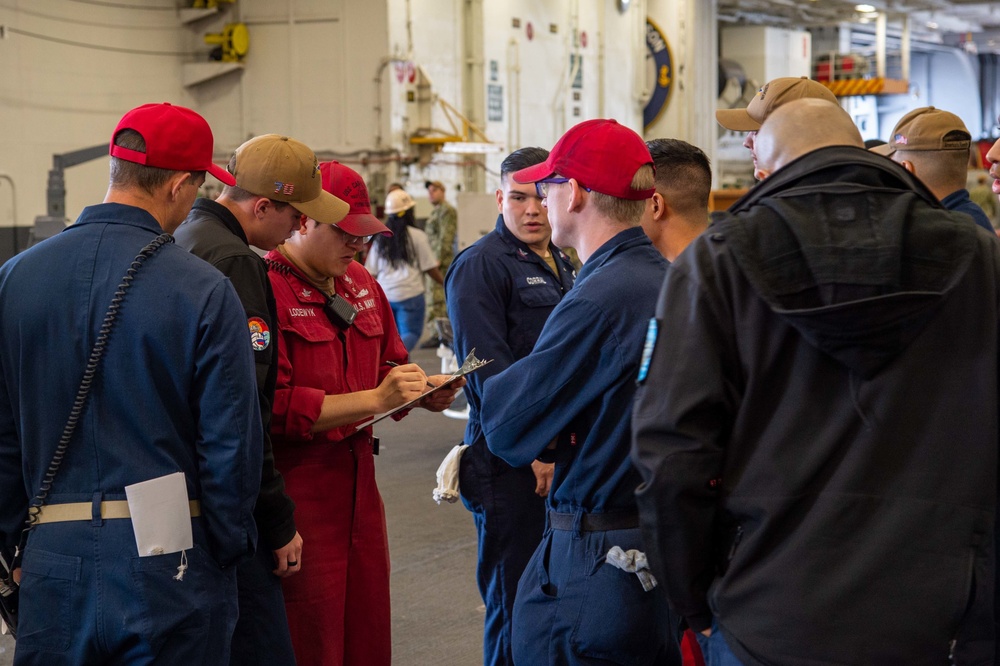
<point x="469" y="365"/>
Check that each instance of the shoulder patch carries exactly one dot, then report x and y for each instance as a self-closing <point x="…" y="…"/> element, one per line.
<point x="647" y="349"/>
<point x="260" y="334"/>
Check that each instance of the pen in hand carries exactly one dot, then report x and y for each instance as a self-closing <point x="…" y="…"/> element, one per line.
<point x="393" y="364"/>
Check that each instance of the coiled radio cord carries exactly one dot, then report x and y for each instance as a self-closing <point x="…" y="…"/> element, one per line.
<point x="83" y="392"/>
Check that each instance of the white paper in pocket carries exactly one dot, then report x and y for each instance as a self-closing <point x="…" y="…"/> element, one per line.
<point x="161" y="515"/>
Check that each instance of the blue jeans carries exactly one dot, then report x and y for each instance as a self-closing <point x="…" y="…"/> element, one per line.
<point x="714" y="649"/>
<point x="409" y="315"/>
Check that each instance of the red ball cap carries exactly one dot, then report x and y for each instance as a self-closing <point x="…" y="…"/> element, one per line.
<point x="176" y="138"/>
<point x="601" y="155"/>
<point x="345" y="183"/>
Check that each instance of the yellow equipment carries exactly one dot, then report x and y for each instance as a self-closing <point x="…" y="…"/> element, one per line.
<point x="233" y="42"/>
<point x="209" y="4"/>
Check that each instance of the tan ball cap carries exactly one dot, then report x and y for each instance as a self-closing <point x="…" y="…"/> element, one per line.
<point x="771" y="95"/>
<point x="927" y="128"/>
<point x="283" y="169"/>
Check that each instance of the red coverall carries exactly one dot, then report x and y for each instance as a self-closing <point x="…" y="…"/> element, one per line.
<point x="338" y="604"/>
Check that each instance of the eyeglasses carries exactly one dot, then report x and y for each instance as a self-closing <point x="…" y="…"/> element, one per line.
<point x="351" y="239"/>
<point x="542" y="186"/>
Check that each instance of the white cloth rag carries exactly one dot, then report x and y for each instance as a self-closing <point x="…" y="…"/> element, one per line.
<point x="632" y="561"/>
<point x="447" y="476"/>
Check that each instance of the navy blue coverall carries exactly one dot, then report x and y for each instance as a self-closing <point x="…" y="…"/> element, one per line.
<point x="577" y="385"/>
<point x="499" y="295"/>
<point x="174" y="393"/>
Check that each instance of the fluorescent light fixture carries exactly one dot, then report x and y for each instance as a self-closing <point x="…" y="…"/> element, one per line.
<point x="470" y="148"/>
<point x="864" y="9"/>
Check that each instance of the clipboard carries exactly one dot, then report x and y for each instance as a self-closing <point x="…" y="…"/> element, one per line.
<point x="469" y="365"/>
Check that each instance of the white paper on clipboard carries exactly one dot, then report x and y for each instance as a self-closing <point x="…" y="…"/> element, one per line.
<point x="469" y="365"/>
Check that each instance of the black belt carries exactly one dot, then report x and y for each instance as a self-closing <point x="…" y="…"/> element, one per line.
<point x="595" y="522"/>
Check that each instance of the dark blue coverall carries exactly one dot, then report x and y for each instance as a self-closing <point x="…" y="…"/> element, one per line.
<point x="577" y="385"/>
<point x="499" y="295"/>
<point x="959" y="201"/>
<point x="174" y="393"/>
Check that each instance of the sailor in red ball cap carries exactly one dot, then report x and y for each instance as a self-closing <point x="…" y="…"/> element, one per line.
<point x="587" y="594"/>
<point x="171" y="401"/>
<point x="341" y="360"/>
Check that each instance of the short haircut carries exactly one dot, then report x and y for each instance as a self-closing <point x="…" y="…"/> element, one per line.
<point x="126" y="174"/>
<point x="626" y="211"/>
<point x="938" y="168"/>
<point x="683" y="174"/>
<point x="522" y="158"/>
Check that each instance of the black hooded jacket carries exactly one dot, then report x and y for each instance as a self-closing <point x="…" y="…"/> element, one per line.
<point x="818" y="428"/>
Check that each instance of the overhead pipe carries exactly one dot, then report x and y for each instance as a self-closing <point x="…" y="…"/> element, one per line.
<point x="473" y="82"/>
<point x="904" y="47"/>
<point x="601" y="59"/>
<point x="379" y="71"/>
<point x="13" y="204"/>
<point x="559" y="98"/>
<point x="384" y="62"/>
<point x="880" y="45"/>
<point x="642" y="91"/>
<point x="514" y="94"/>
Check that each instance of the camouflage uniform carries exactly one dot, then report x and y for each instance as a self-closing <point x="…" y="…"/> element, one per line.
<point x="441" y="229"/>
<point x="983" y="196"/>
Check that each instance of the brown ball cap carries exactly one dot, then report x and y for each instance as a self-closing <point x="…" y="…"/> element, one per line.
<point x="927" y="128"/>
<point x="771" y="95"/>
<point x="283" y="169"/>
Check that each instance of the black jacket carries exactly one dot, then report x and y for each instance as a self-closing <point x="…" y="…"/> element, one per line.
<point x="213" y="233"/>
<point x="818" y="430"/>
